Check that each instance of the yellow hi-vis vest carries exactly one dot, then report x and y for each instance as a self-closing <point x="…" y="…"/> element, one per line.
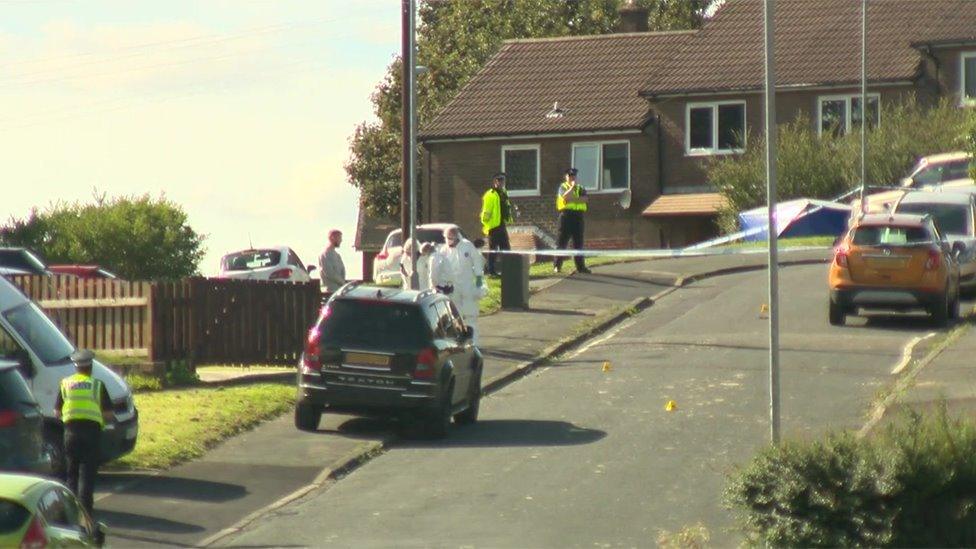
<point x="82" y="396"/>
<point x="491" y="211"/>
<point x="561" y="203"/>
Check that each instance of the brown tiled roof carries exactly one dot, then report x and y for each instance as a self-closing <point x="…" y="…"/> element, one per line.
<point x="817" y="42"/>
<point x="594" y="79"/>
<point x="371" y="231"/>
<point x="685" y="204"/>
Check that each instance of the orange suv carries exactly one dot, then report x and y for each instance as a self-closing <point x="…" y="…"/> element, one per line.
<point x="894" y="262"/>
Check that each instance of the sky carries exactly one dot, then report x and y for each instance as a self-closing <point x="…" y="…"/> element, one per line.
<point x="240" y="111"/>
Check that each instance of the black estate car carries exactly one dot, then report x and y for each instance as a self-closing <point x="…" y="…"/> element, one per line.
<point x="21" y="424"/>
<point x="387" y="351"/>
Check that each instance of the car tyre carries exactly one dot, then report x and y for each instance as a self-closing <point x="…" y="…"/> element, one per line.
<point x="307" y="417"/>
<point x="836" y="314"/>
<point x="940" y="314"/>
<point x="470" y="414"/>
<point x="440" y="421"/>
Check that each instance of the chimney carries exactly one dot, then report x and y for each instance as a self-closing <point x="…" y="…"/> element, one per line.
<point x="633" y="18"/>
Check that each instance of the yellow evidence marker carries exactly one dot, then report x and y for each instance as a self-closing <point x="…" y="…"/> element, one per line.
<point x="671" y="406"/>
<point x="764" y="311"/>
<point x="607" y="366"/>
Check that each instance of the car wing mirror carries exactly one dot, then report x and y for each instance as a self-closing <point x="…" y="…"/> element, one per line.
<point x="310" y="268"/>
<point x="479" y="243"/>
<point x="468" y="333"/>
<point x="24" y="364"/>
<point x="958" y="248"/>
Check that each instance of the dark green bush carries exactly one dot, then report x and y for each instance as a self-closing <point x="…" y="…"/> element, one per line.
<point x="913" y="485"/>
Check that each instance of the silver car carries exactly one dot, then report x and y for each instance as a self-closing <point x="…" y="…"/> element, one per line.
<point x="954" y="213"/>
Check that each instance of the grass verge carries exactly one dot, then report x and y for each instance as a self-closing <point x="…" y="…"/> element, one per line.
<point x="817" y="241"/>
<point x="179" y="425"/>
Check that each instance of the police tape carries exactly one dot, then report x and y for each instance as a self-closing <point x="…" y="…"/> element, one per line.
<point x="659" y="253"/>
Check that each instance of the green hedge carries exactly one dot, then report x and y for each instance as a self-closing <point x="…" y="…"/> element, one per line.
<point x="913" y="485"/>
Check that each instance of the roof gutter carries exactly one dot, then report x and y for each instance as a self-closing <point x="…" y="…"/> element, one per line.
<point x="938" y="44"/>
<point x="506" y="137"/>
<point x="784" y="87"/>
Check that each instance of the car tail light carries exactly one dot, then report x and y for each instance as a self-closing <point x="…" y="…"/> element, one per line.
<point x="311" y="361"/>
<point x="934" y="260"/>
<point x="840" y="257"/>
<point x="35" y="537"/>
<point x="8" y="418"/>
<point x="382" y="255"/>
<point x="280" y="274"/>
<point x="426" y="360"/>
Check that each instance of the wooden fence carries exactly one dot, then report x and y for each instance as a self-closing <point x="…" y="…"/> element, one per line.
<point x="195" y="319"/>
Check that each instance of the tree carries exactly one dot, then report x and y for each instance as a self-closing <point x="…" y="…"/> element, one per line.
<point x="137" y="237"/>
<point x="455" y="39"/>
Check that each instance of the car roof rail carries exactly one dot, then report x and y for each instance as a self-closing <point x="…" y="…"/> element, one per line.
<point x="423" y="293"/>
<point x="348" y="287"/>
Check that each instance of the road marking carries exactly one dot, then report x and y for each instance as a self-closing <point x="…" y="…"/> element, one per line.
<point x="906" y="353"/>
<point x="602" y="339"/>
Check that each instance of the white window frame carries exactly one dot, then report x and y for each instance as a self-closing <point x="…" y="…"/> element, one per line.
<point x="538" y="168"/>
<point x="714" y="150"/>
<point x="599" y="161"/>
<point x="848" y="109"/>
<point x="963" y="100"/>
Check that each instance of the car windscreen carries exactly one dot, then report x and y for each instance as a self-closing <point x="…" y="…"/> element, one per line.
<point x="373" y="324"/>
<point x="39" y="333"/>
<point x="890" y="235"/>
<point x="13" y="389"/>
<point x="21" y="260"/>
<point x="251" y="259"/>
<point x="13" y="516"/>
<point x="950" y="218"/>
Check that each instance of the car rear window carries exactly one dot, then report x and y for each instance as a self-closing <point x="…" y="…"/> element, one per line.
<point x="251" y="259"/>
<point x="890" y="235"/>
<point x="22" y="260"/>
<point x="13" y="389"/>
<point x="13" y="516"/>
<point x="950" y="218"/>
<point x="373" y="324"/>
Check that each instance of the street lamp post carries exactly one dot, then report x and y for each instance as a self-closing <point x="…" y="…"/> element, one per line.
<point x="770" y="129"/>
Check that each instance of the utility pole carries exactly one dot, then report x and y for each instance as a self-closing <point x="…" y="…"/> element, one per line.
<point x="771" y="230"/>
<point x="408" y="97"/>
<point x="864" y="97"/>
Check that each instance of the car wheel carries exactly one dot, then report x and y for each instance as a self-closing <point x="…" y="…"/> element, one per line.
<point x="470" y="414"/>
<point x="53" y="446"/>
<point x="307" y="417"/>
<point x="440" y="420"/>
<point x="940" y="314"/>
<point x="836" y="314"/>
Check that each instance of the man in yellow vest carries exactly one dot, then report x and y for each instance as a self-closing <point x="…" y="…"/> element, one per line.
<point x="571" y="203"/>
<point x="83" y="405"/>
<point x="496" y="212"/>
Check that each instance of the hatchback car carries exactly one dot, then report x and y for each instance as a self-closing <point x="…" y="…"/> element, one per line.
<point x="390" y="352"/>
<point x="21" y="424"/>
<point x="940" y="170"/>
<point x="386" y="264"/>
<point x="894" y="262"/>
<point x="36" y="512"/>
<point x="954" y="214"/>
<point x="275" y="263"/>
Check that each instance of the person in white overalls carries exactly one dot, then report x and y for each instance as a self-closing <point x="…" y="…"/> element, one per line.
<point x="457" y="270"/>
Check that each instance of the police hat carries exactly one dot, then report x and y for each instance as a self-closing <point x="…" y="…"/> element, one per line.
<point x="82" y="358"/>
<point x="570" y="171"/>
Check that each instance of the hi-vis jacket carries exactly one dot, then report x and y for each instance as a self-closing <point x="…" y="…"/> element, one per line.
<point x="562" y="204"/>
<point x="82" y="399"/>
<point x="491" y="211"/>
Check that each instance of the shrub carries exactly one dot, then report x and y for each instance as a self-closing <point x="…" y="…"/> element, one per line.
<point x="812" y="166"/>
<point x="912" y="485"/>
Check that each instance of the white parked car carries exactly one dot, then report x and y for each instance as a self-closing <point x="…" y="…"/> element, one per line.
<point x="386" y="265"/>
<point x="273" y="263"/>
<point x="945" y="171"/>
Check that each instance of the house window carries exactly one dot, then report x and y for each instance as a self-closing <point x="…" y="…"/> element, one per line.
<point x="521" y="166"/>
<point x="841" y="114"/>
<point x="602" y="166"/>
<point x="967" y="78"/>
<point x="715" y="128"/>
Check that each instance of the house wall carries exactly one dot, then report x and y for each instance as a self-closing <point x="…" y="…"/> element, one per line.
<point x="460" y="172"/>
<point x="944" y="64"/>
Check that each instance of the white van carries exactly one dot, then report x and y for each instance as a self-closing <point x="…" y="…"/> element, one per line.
<point x="28" y="336"/>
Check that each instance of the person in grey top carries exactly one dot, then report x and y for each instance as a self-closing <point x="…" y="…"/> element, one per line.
<point x="331" y="269"/>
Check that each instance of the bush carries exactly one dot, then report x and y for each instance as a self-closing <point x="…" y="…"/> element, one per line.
<point x="912" y="485"/>
<point x="137" y="237"/>
<point x="812" y="166"/>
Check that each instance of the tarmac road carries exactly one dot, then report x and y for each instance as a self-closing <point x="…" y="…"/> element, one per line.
<point x="573" y="456"/>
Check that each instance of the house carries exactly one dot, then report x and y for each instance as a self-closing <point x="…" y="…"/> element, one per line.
<point x="371" y="233"/>
<point x="647" y="111"/>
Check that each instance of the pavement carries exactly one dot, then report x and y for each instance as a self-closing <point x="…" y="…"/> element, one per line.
<point x="203" y="501"/>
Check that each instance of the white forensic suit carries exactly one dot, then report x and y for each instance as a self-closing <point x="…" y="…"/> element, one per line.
<point x="461" y="267"/>
<point x="423" y="269"/>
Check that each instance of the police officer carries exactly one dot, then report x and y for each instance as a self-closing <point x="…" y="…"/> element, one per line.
<point x="496" y="212"/>
<point x="83" y="405"/>
<point x="571" y="203"/>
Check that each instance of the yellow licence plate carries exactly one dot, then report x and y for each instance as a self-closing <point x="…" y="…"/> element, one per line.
<point x="887" y="262"/>
<point x="368" y="359"/>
